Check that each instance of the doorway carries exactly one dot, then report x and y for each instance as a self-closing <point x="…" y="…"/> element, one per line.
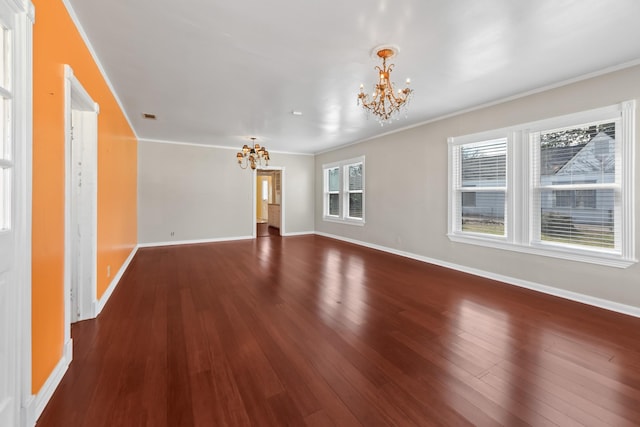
<point x="81" y="202"/>
<point x="269" y="206"/>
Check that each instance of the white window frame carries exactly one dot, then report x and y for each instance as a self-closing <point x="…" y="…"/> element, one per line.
<point x="343" y="173"/>
<point x="522" y="220"/>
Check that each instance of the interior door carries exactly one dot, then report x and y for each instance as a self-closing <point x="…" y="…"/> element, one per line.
<point x="76" y="223"/>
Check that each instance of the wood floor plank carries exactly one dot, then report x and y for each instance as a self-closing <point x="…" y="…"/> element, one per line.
<point x="312" y="331"/>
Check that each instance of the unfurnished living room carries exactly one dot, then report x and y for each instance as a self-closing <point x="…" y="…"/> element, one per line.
<point x="294" y="213"/>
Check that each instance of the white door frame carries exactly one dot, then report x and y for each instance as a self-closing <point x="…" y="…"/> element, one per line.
<point x="81" y="217"/>
<point x="254" y="224"/>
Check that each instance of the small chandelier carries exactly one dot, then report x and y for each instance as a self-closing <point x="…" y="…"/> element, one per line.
<point x="253" y="156"/>
<point x="384" y="103"/>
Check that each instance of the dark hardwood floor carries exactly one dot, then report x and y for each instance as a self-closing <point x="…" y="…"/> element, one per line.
<point x="311" y="331"/>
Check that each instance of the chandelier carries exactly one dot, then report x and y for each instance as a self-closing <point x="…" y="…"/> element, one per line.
<point x="253" y="156"/>
<point x="384" y="103"/>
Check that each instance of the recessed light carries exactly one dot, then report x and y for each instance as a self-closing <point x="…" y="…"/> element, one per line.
<point x="296" y="113"/>
<point x="148" y="116"/>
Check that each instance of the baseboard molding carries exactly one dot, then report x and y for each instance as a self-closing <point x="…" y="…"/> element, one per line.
<point x="99" y="305"/>
<point x="550" y="290"/>
<point x="191" y="242"/>
<point x="298" y="233"/>
<point x="35" y="406"/>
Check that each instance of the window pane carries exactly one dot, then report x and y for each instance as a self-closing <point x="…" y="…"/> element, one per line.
<point x="355" y="177"/>
<point x="578" y="155"/>
<point x="334" y="179"/>
<point x="585" y="217"/>
<point x="486" y="215"/>
<point x="484" y="164"/>
<point x="355" y="205"/>
<point x="4" y="105"/>
<point x="4" y="58"/>
<point x="4" y="199"/>
<point x="334" y="204"/>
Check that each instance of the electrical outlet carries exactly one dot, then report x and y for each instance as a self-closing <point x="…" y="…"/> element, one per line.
<point x="108" y="271"/>
<point x="173" y="234"/>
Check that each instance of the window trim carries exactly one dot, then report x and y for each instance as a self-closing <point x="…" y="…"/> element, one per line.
<point x="343" y="209"/>
<point x="520" y="217"/>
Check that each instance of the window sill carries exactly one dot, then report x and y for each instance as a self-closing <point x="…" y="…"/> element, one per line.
<point x="571" y="254"/>
<point x="343" y="221"/>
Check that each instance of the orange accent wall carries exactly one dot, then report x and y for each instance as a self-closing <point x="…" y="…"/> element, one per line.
<point x="56" y="42"/>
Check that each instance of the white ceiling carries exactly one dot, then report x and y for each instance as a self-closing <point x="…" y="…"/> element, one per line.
<point x="217" y="72"/>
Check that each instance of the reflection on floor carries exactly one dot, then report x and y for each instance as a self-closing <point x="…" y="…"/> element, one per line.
<point x="264" y="230"/>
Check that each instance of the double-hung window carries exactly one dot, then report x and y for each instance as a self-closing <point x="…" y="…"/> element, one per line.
<point x="575" y="186"/>
<point x="344" y="191"/>
<point x="561" y="187"/>
<point x="480" y="187"/>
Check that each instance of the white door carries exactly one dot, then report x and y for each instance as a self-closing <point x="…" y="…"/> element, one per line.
<point x="82" y="199"/>
<point x="8" y="286"/>
<point x="76" y="223"/>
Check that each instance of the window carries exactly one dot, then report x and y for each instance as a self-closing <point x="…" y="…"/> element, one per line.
<point x="480" y="186"/>
<point x="344" y="191"/>
<point x="265" y="190"/>
<point x="333" y="192"/>
<point x="354" y="191"/>
<point x="560" y="187"/>
<point x="576" y="184"/>
<point x="6" y="163"/>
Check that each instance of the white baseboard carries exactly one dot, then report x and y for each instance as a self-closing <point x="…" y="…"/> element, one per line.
<point x="298" y="233"/>
<point x="550" y="290"/>
<point x="99" y="305"/>
<point x="37" y="403"/>
<point x="191" y="242"/>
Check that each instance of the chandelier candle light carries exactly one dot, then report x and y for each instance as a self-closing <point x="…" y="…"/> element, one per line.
<point x="253" y="156"/>
<point x="384" y="103"/>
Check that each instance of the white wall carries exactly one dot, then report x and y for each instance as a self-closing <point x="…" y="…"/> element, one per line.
<point x="200" y="193"/>
<point x="406" y="192"/>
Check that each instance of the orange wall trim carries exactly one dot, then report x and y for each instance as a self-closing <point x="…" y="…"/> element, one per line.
<point x="57" y="42"/>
